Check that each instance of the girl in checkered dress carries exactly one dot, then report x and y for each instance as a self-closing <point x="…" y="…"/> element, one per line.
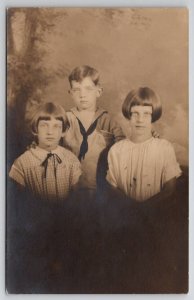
<point x="48" y="171"/>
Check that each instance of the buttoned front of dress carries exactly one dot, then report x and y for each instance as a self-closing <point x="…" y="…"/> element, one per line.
<point x="142" y="169"/>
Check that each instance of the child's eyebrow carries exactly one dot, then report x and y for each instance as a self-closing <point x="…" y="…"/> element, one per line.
<point x="45" y="118"/>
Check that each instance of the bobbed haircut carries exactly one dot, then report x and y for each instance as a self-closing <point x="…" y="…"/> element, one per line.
<point x="47" y="110"/>
<point x="81" y="72"/>
<point x="143" y="96"/>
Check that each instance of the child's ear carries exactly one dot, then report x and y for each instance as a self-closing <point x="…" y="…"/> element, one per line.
<point x="99" y="91"/>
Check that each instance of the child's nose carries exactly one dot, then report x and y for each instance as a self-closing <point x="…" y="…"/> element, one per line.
<point x="82" y="93"/>
<point x="49" y="130"/>
<point x="140" y="118"/>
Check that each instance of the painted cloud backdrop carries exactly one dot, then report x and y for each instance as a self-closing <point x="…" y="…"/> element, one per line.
<point x="130" y="48"/>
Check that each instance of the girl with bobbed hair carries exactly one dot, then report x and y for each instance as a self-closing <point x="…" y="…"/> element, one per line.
<point x="143" y="166"/>
<point x="47" y="171"/>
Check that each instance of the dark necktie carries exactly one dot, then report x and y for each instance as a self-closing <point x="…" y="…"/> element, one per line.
<point x="45" y="162"/>
<point x="85" y="134"/>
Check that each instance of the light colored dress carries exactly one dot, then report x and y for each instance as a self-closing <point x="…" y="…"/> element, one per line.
<point x="140" y="170"/>
<point x="48" y="175"/>
<point x="105" y="132"/>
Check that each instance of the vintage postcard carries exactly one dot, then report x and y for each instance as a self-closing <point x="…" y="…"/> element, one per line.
<point x="97" y="151"/>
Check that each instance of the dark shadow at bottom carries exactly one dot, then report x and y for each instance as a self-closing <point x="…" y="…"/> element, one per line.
<point x="96" y="244"/>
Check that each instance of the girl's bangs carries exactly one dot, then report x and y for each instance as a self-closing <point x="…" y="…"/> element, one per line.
<point x="48" y="116"/>
<point x="142" y="102"/>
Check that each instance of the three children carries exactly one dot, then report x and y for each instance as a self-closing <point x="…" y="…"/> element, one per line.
<point x="140" y="167"/>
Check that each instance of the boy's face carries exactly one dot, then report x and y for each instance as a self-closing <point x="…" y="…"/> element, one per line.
<point x="85" y="94"/>
<point x="49" y="133"/>
<point x="141" y="120"/>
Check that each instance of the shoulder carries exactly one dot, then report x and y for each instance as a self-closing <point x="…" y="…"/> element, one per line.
<point x="70" y="115"/>
<point x="162" y="143"/>
<point x="23" y="162"/>
<point x="109" y="123"/>
<point x="23" y="158"/>
<point x="120" y="146"/>
<point x="105" y="116"/>
<point x="68" y="156"/>
<point x="117" y="153"/>
<point x="163" y="147"/>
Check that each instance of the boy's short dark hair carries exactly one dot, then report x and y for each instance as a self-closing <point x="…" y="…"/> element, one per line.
<point x="79" y="73"/>
<point x="47" y="110"/>
<point x="143" y="96"/>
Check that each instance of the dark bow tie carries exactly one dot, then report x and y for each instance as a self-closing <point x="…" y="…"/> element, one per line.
<point x="45" y="162"/>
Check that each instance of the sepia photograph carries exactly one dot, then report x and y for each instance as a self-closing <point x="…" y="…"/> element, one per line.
<point x="97" y="165"/>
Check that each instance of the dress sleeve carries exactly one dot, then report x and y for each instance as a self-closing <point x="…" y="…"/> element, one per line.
<point x="113" y="169"/>
<point x="17" y="173"/>
<point x="171" y="168"/>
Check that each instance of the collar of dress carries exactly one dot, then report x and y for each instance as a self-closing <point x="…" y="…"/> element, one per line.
<point x="41" y="154"/>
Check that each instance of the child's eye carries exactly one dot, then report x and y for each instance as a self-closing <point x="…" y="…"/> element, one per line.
<point x="89" y="88"/>
<point x="57" y="126"/>
<point x="43" y="125"/>
<point x="134" y="114"/>
<point x="147" y="114"/>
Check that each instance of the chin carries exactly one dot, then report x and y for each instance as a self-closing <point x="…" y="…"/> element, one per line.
<point x="140" y="130"/>
<point x="51" y="146"/>
<point x="82" y="108"/>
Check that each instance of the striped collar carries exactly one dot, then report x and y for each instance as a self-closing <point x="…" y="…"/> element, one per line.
<point x="99" y="112"/>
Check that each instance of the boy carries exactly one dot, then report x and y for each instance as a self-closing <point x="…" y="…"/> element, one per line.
<point x="92" y="131"/>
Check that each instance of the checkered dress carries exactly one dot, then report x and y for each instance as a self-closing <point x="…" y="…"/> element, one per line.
<point x="48" y="175"/>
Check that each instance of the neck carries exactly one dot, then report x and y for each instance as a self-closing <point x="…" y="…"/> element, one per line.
<point x="86" y="117"/>
<point x="140" y="138"/>
<point x="87" y="111"/>
<point x="48" y="148"/>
